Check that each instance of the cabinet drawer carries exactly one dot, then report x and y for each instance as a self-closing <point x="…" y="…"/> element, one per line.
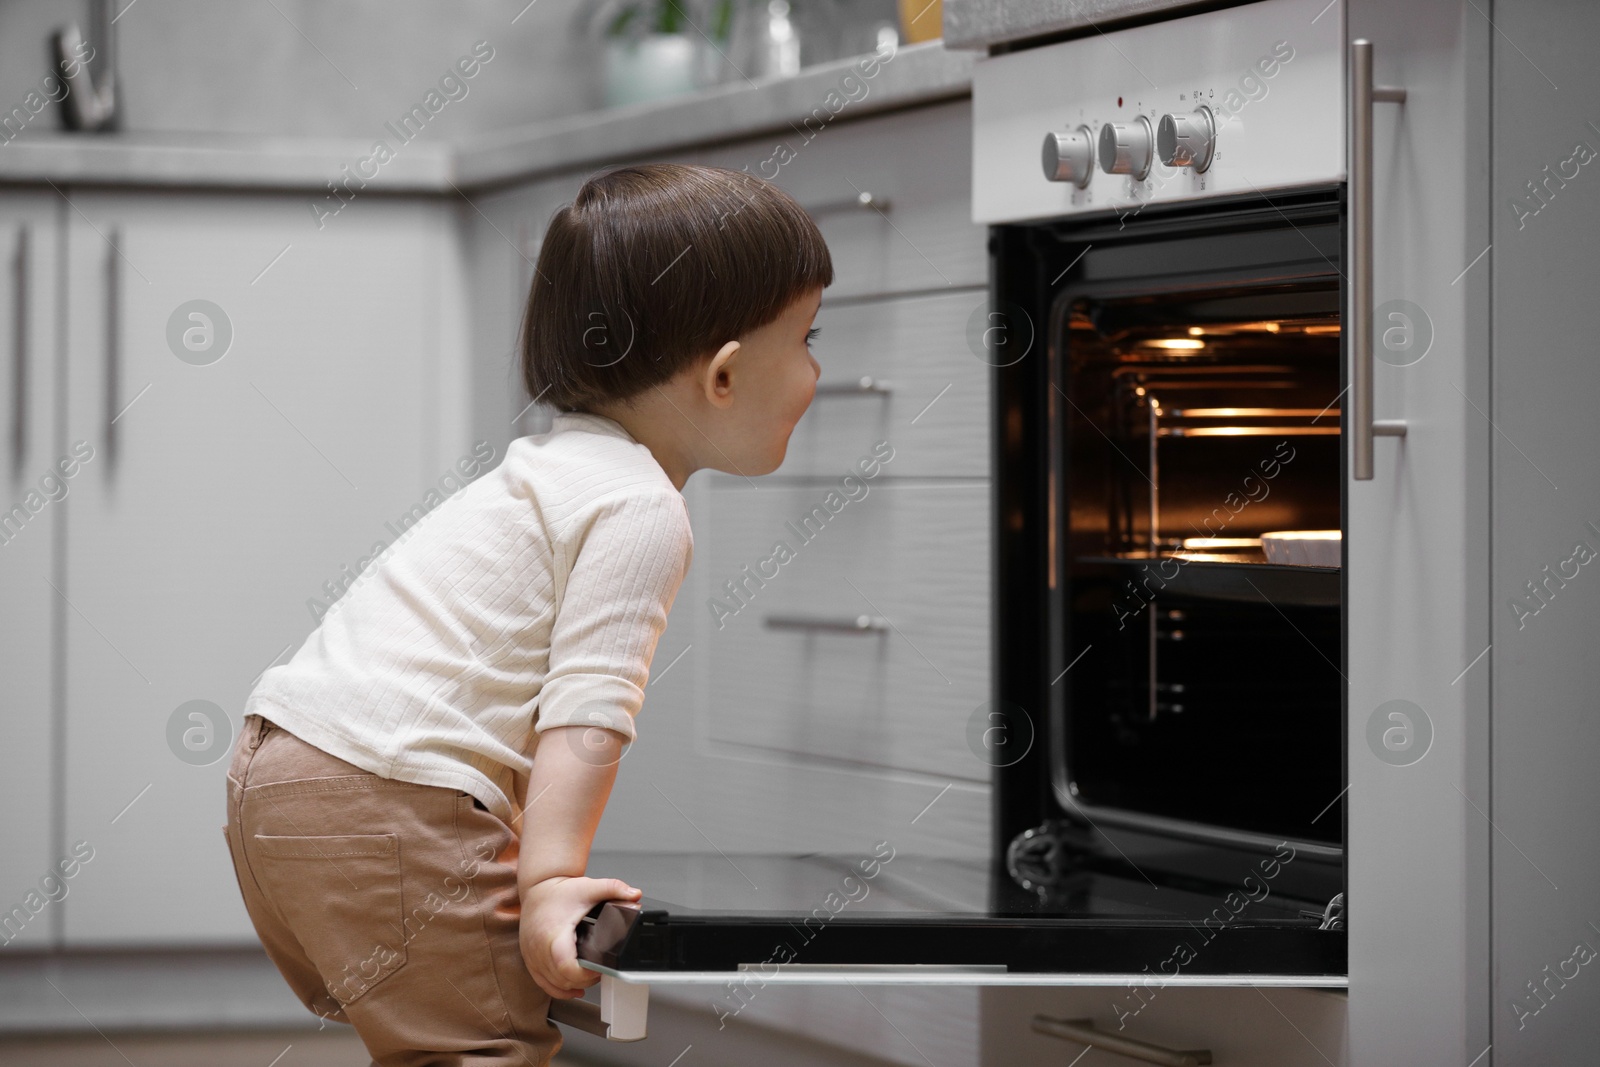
<point x="1242" y="1027"/>
<point x="919" y="161"/>
<point x="935" y="411"/>
<point x="916" y="555"/>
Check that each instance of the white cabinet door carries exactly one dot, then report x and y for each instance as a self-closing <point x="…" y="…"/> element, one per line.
<point x="35" y="493"/>
<point x="1239" y="1026"/>
<point x="914" y="231"/>
<point x="502" y="234"/>
<point x="1417" y="559"/>
<point x="250" y="449"/>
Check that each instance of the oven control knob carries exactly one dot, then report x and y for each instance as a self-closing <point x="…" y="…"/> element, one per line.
<point x="1127" y="148"/>
<point x="1069" y="157"/>
<point x="1187" y="140"/>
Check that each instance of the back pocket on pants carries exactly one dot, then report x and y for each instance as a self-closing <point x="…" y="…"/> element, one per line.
<point x="340" y="895"/>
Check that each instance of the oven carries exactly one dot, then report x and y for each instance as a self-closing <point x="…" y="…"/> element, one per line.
<point x="1170" y="275"/>
<point x="1171" y="400"/>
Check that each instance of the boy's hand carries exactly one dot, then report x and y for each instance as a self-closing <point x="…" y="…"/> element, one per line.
<point x="551" y="911"/>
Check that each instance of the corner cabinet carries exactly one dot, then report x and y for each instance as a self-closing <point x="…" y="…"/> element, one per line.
<point x="260" y="399"/>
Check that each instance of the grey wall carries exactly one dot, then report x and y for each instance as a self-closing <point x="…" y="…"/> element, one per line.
<point x="313" y="67"/>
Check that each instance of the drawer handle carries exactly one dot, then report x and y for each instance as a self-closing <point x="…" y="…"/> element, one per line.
<point x="860" y="624"/>
<point x="863" y="201"/>
<point x="113" y="345"/>
<point x="864" y="386"/>
<point x="19" y="354"/>
<point x="1083" y="1032"/>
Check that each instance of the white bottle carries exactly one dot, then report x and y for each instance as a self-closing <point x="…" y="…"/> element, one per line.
<point x="778" y="52"/>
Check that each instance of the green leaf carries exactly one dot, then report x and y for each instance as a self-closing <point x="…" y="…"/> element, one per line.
<point x="722" y="19"/>
<point x="671" y="17"/>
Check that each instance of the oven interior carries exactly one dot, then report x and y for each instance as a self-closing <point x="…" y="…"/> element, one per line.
<point x="1205" y="681"/>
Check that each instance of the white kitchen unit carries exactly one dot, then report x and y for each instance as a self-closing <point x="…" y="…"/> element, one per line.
<point x="244" y="457"/>
<point x="36" y="489"/>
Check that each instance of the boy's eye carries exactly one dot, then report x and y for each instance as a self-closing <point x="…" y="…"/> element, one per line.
<point x="811" y="334"/>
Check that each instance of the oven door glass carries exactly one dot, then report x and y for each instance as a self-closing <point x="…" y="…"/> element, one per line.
<point x="1163" y="820"/>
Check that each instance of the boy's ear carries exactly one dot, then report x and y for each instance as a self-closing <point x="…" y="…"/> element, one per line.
<point x="716" y="379"/>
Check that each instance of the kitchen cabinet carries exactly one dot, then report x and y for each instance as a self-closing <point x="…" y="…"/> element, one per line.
<point x="742" y="766"/>
<point x="501" y="233"/>
<point x="902" y="370"/>
<point x="267" y="402"/>
<point x="891" y="194"/>
<point x="752" y="735"/>
<point x="34" y="502"/>
<point x="1239" y="1027"/>
<point x="793" y="671"/>
<point x="1417" y="561"/>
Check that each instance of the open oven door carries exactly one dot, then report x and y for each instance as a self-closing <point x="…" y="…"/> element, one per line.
<point x="884" y="917"/>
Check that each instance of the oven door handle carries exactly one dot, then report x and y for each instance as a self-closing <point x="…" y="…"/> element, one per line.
<point x="1362" y="96"/>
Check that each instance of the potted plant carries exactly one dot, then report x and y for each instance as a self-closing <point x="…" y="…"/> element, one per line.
<point x="659" y="48"/>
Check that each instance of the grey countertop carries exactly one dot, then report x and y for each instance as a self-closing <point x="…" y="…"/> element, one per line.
<point x="977" y="24"/>
<point x="212" y="161"/>
<point x="915" y="74"/>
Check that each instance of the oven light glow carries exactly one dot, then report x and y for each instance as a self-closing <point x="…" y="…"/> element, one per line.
<point x="1220" y="543"/>
<point x="1238" y="327"/>
<point x="1175" y="344"/>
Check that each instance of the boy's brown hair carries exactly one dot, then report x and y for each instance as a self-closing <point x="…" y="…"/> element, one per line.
<point x="654" y="266"/>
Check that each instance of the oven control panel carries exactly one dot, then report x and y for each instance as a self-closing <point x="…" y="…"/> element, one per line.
<point x="1245" y="99"/>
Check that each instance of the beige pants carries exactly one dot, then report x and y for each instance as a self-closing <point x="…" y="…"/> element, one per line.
<point x="386" y="905"/>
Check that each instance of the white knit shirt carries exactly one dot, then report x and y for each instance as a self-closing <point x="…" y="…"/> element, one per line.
<point x="531" y="598"/>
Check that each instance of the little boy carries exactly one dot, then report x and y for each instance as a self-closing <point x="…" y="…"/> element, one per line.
<point x="413" y="797"/>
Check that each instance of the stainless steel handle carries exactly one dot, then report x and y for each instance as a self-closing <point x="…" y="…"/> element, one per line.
<point x="113" y="368"/>
<point x="863" y="386"/>
<point x="1362" y="95"/>
<point x="862" y="201"/>
<point x="859" y="624"/>
<point x="19" y="354"/>
<point x="1083" y="1032"/>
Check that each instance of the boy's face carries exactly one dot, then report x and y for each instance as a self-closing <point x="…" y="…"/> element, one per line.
<point x="772" y="380"/>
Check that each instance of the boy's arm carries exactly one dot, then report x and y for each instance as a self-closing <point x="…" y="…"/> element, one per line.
<point x="630" y="554"/>
<point x="573" y="770"/>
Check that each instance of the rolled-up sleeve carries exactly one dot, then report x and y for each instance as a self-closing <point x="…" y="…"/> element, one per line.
<point x="629" y="554"/>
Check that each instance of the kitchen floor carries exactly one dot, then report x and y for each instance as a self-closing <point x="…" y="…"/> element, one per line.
<point x="261" y="1049"/>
